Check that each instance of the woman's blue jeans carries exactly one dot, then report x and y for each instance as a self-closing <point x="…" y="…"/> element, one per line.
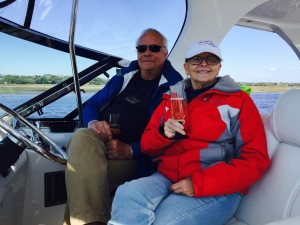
<point x="149" y="200"/>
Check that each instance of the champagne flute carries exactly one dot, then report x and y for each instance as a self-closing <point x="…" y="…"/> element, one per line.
<point x="177" y="102"/>
<point x="114" y="124"/>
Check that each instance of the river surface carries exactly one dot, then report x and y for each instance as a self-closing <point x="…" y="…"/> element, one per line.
<point x="264" y="102"/>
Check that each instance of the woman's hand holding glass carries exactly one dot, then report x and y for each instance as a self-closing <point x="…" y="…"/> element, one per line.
<point x="172" y="126"/>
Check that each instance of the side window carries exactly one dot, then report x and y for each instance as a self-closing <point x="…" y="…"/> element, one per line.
<point x="251" y="58"/>
<point x="30" y="69"/>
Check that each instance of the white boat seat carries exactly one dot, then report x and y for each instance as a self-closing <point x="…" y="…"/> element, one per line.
<point x="275" y="199"/>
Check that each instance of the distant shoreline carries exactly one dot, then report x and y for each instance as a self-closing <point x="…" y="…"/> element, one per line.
<point x="14" y="88"/>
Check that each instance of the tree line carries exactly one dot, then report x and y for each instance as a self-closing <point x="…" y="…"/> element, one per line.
<point x="269" y="84"/>
<point x="43" y="79"/>
<point x="54" y="79"/>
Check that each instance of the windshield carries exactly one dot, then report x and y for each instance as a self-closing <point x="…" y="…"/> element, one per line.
<point x="102" y="26"/>
<point x="106" y="26"/>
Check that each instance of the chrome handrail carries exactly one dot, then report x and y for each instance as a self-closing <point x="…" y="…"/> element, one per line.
<point x="73" y="60"/>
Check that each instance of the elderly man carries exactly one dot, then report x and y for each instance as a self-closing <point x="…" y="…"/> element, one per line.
<point x="98" y="163"/>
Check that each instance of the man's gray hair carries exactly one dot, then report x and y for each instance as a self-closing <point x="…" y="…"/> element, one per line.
<point x="152" y="30"/>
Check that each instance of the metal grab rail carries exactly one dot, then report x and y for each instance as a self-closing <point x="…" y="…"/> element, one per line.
<point x="73" y="61"/>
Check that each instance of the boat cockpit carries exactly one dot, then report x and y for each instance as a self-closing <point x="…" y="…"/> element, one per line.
<point x="92" y="39"/>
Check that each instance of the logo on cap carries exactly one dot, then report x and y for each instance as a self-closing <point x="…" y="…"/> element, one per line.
<point x="207" y="42"/>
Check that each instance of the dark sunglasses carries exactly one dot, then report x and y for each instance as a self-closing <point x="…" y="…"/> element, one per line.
<point x="152" y="48"/>
<point x="210" y="60"/>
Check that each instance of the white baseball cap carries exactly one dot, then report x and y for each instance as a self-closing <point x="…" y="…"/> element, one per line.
<point x="198" y="47"/>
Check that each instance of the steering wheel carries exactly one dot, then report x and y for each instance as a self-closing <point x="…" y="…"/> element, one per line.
<point x="38" y="141"/>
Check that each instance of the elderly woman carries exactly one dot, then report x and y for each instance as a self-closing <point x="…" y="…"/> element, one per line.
<point x="205" y="163"/>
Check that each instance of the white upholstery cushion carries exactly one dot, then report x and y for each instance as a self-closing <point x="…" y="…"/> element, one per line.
<point x="285" y="118"/>
<point x="289" y="221"/>
<point x="277" y="195"/>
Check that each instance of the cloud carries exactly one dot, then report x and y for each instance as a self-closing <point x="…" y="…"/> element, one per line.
<point x="273" y="69"/>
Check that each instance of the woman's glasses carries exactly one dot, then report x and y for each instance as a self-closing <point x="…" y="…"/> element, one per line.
<point x="152" y="48"/>
<point x="210" y="60"/>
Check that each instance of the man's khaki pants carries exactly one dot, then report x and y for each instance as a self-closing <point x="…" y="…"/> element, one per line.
<point x="91" y="179"/>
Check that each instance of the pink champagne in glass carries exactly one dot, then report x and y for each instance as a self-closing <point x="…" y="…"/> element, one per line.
<point x="177" y="102"/>
<point x="177" y="109"/>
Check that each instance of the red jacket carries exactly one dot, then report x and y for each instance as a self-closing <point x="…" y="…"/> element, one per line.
<point x="226" y="149"/>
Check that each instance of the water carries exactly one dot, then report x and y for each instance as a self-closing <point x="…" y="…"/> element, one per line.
<point x="265" y="101"/>
<point x="58" y="109"/>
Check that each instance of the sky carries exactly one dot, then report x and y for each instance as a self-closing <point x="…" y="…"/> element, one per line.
<point x="275" y="61"/>
<point x="278" y="63"/>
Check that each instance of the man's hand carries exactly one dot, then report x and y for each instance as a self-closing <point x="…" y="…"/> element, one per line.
<point x="102" y="129"/>
<point x="184" y="187"/>
<point x="117" y="149"/>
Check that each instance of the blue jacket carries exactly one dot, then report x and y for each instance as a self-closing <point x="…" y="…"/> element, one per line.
<point x="95" y="105"/>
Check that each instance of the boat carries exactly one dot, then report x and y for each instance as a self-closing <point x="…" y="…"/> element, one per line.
<point x="32" y="188"/>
